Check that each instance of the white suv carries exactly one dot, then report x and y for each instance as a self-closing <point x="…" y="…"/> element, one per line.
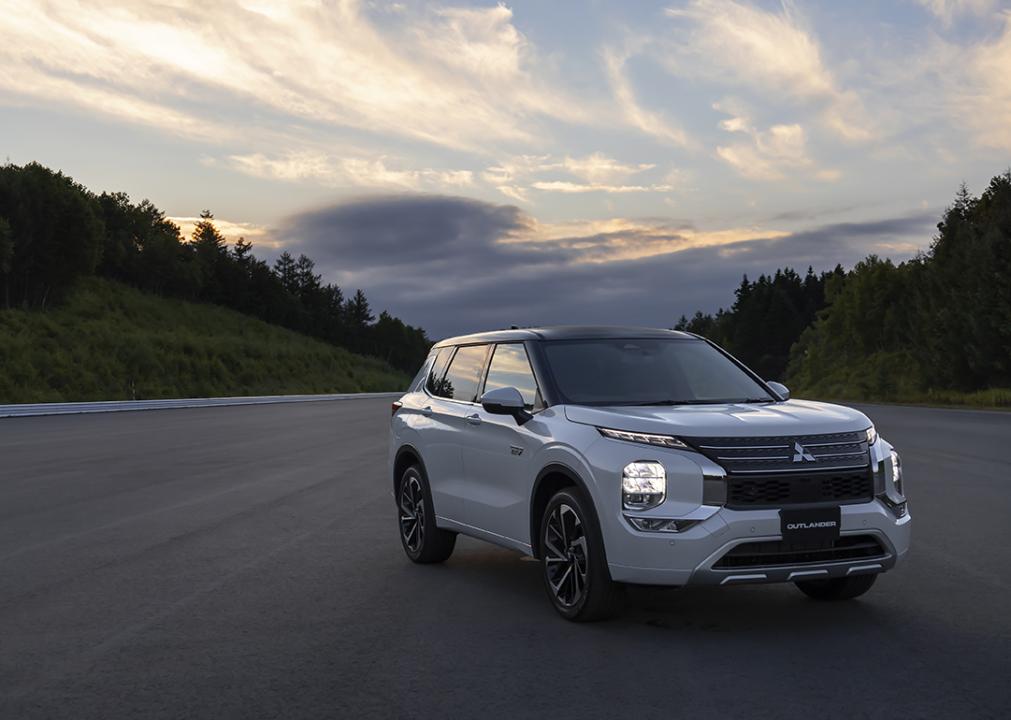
<point x="633" y="455"/>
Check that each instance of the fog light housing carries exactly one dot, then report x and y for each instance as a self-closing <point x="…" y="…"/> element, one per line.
<point x="665" y="525"/>
<point x="643" y="485"/>
<point x="898" y="509"/>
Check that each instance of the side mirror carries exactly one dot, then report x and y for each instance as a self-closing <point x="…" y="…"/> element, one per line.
<point x="780" y="389"/>
<point x="506" y="401"/>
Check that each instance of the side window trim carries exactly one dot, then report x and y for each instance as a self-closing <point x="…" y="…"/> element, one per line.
<point x="487" y="366"/>
<point x="488" y="355"/>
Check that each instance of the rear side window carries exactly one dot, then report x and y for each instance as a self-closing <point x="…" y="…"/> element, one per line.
<point x="422" y="377"/>
<point x="510" y="367"/>
<point x="437" y="368"/>
<point x="464" y="375"/>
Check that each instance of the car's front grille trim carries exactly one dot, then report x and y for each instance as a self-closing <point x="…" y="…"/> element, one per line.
<point x="743" y="447"/>
<point x="785" y="453"/>
<point x="800" y="470"/>
<point x="828" y="444"/>
<point x="769" y="457"/>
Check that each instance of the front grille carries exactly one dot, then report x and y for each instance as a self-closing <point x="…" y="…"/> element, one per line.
<point x="770" y="553"/>
<point x="786" y="453"/>
<point x="751" y="492"/>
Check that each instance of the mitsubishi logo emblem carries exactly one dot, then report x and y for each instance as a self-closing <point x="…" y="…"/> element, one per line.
<point x="800" y="453"/>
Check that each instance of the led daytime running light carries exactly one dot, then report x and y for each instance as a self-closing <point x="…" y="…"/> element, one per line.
<point x="643" y="438"/>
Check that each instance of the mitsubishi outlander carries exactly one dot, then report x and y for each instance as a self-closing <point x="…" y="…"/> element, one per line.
<point x="620" y="455"/>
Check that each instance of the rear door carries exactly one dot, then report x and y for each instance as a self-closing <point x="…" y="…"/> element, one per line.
<point x="497" y="454"/>
<point x="438" y="451"/>
<point x="450" y="402"/>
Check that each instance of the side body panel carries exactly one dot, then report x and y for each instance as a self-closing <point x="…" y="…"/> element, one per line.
<point x="433" y="426"/>
<point x="497" y="462"/>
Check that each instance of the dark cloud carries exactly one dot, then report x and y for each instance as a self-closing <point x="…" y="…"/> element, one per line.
<point x="441" y="263"/>
<point x="882" y="230"/>
<point x="403" y="230"/>
<point x="810" y="214"/>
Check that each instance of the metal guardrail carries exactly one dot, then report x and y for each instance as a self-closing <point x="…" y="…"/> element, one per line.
<point x="29" y="410"/>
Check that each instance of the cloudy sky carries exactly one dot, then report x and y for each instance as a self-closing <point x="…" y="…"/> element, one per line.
<point x="474" y="166"/>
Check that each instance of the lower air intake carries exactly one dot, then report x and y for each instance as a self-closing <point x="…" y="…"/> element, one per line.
<point x="771" y="553"/>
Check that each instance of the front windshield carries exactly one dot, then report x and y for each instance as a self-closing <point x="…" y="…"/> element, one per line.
<point x="648" y="372"/>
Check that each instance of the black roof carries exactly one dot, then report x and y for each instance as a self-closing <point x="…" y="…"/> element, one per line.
<point x="565" y="332"/>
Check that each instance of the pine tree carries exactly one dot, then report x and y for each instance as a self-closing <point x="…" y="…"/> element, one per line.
<point x="284" y="269"/>
<point x="307" y="281"/>
<point x="206" y="238"/>
<point x="359" y="319"/>
<point x="242" y="251"/>
<point x="359" y="313"/>
<point x="211" y="254"/>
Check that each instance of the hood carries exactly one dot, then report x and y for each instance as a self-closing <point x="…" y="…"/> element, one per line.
<point x="793" y="417"/>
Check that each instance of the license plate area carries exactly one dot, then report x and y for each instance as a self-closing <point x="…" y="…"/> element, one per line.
<point x="810" y="527"/>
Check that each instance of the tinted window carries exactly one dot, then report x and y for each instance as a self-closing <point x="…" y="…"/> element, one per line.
<point x="434" y="384"/>
<point x="510" y="367"/>
<point x="634" y="371"/>
<point x="464" y="373"/>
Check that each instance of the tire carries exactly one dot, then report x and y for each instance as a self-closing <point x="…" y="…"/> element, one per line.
<point x="573" y="564"/>
<point x="837" y="588"/>
<point x="422" y="540"/>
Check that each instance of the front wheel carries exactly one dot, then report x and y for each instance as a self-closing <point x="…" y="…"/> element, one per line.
<point x="422" y="540"/>
<point x="837" y="588"/>
<point x="572" y="561"/>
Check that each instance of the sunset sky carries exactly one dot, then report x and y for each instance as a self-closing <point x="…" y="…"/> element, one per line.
<point x="477" y="166"/>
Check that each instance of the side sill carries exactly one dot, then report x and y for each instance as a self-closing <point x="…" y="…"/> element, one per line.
<point x="476" y="532"/>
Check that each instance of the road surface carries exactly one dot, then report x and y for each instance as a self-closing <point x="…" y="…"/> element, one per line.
<point x="244" y="562"/>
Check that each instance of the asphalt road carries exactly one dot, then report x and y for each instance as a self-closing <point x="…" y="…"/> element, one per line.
<point x="244" y="562"/>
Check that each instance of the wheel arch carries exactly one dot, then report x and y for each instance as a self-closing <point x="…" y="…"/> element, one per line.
<point x="554" y="477"/>
<point x="406" y="456"/>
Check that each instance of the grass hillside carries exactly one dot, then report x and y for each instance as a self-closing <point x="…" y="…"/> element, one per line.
<point x="111" y="342"/>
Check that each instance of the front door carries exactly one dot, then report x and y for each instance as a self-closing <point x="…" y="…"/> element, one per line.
<point x="498" y="452"/>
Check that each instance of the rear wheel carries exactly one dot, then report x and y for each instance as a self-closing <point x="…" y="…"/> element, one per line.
<point x="422" y="540"/>
<point x="572" y="561"/>
<point x="837" y="588"/>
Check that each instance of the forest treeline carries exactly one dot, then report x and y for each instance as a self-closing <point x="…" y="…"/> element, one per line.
<point x="938" y="323"/>
<point x="923" y="328"/>
<point x="54" y="231"/>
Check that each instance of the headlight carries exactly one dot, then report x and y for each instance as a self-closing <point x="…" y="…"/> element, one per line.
<point x="872" y="435"/>
<point x="644" y="438"/>
<point x="897" y="473"/>
<point x="643" y="485"/>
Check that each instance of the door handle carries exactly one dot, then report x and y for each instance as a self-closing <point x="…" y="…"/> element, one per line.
<point x="427" y="411"/>
<point x="474" y="419"/>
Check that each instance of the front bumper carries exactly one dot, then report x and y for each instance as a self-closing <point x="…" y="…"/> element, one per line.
<point x="693" y="557"/>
